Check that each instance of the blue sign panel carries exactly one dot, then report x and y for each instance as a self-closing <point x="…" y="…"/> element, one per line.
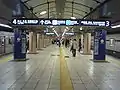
<point x="19" y="45"/>
<point x="99" y="45"/>
<point x="60" y="22"/>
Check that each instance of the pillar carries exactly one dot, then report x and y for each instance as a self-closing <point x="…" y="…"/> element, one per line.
<point x="82" y="42"/>
<point x="87" y="43"/>
<point x="19" y="44"/>
<point x="32" y="42"/>
<point x="38" y="41"/>
<point x="99" y="45"/>
<point x="42" y="41"/>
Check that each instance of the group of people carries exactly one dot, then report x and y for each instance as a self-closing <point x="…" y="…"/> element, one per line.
<point x="69" y="43"/>
<point x="73" y="44"/>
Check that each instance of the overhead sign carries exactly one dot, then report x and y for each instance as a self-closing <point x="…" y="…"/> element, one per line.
<point x="61" y="22"/>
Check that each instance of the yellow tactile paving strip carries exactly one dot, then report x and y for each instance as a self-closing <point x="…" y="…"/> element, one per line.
<point x="5" y="59"/>
<point x="65" y="81"/>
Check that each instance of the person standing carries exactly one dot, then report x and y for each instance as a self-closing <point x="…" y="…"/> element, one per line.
<point x="66" y="43"/>
<point x="74" y="47"/>
<point x="79" y="45"/>
<point x="70" y="44"/>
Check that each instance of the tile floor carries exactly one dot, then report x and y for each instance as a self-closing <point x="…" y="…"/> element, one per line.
<point x="42" y="72"/>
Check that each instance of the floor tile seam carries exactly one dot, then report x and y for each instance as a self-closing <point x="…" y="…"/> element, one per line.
<point x="31" y="76"/>
<point x="10" y="69"/>
<point x="92" y="80"/>
<point x="79" y="76"/>
<point x="43" y="72"/>
<point x="41" y="67"/>
<point x="51" y="74"/>
<point x="24" y="72"/>
<point x="20" y="76"/>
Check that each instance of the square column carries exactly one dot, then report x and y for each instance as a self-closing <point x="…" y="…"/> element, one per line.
<point x="87" y="43"/>
<point x="32" y="42"/>
<point x="42" y="41"/>
<point x="82" y="42"/>
<point x="38" y="41"/>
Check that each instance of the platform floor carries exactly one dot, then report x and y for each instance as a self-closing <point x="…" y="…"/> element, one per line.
<point x="56" y="69"/>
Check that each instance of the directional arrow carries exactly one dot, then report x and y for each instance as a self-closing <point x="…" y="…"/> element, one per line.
<point x="42" y="22"/>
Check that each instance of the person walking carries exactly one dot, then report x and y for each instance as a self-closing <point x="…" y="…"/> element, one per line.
<point x="74" y="47"/>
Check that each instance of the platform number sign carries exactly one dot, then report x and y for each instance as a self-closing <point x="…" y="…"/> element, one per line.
<point x="107" y="23"/>
<point x="14" y="21"/>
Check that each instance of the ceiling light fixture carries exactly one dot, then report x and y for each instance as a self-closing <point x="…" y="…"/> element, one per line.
<point x="56" y="32"/>
<point x="51" y="26"/>
<point x="4" y="25"/>
<point x="81" y="28"/>
<point x="73" y="18"/>
<point x="64" y="32"/>
<point x="43" y="12"/>
<point x="116" y="26"/>
<point x="67" y="28"/>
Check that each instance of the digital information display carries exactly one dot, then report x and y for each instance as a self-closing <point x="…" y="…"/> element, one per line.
<point x="61" y="22"/>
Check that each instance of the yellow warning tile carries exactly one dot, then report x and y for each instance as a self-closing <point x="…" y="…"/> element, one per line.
<point x="65" y="81"/>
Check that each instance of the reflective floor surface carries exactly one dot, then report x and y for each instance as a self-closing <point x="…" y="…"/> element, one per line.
<point x="44" y="71"/>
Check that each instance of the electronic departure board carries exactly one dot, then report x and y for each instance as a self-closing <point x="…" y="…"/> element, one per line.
<point x="61" y="22"/>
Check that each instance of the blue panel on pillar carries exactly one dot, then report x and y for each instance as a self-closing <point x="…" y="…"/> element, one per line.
<point x="19" y="45"/>
<point x="99" y="45"/>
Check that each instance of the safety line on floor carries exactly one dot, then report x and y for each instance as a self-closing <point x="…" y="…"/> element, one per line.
<point x="65" y="81"/>
<point x="5" y="59"/>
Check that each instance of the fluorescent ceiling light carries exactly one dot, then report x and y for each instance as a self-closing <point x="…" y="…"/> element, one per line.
<point x="43" y="12"/>
<point x="117" y="26"/>
<point x="81" y="28"/>
<point x="56" y="33"/>
<point x="51" y="26"/>
<point x="73" y="18"/>
<point x="64" y="32"/>
<point x="67" y="27"/>
<point x="4" y="25"/>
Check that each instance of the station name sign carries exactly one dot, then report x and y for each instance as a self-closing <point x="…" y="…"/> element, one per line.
<point x="61" y="22"/>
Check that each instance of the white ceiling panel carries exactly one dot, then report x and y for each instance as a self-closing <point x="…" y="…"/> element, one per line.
<point x="78" y="6"/>
<point x="36" y="2"/>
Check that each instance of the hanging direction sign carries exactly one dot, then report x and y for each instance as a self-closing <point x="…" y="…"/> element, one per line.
<point x="61" y="22"/>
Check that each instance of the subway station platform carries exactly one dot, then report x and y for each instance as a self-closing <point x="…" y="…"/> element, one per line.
<point x="54" y="68"/>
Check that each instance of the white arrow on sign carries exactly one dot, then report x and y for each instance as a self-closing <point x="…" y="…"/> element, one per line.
<point x="42" y="22"/>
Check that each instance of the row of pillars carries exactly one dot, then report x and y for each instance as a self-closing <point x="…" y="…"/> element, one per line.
<point x="37" y="41"/>
<point x="86" y="43"/>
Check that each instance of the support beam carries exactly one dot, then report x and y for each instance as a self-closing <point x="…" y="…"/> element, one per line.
<point x="26" y="1"/>
<point x="43" y="4"/>
<point x="79" y="4"/>
<point x="103" y="3"/>
<point x="74" y="13"/>
<point x="67" y="12"/>
<point x="97" y="1"/>
<point x="48" y="9"/>
<point x="65" y="7"/>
